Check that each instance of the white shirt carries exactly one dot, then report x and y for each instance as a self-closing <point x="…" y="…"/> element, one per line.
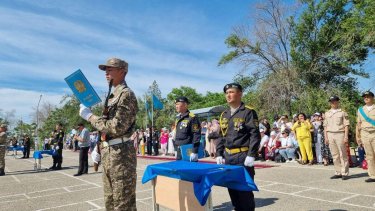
<point x="286" y="142"/>
<point x="369" y="108"/>
<point x="264" y="141"/>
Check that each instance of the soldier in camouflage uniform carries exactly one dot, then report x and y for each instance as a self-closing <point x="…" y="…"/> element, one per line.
<point x="118" y="155"/>
<point x="3" y="139"/>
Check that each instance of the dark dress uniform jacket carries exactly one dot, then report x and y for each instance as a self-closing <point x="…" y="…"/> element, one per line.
<point x="188" y="130"/>
<point x="239" y="130"/>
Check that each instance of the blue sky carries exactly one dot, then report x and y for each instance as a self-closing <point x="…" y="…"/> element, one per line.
<point x="174" y="42"/>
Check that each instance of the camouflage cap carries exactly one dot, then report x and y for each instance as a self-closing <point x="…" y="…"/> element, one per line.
<point x="4" y="125"/>
<point x="114" y="62"/>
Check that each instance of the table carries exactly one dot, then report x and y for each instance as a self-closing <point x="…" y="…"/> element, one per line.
<point x="202" y="175"/>
<point x="38" y="158"/>
<point x="15" y="149"/>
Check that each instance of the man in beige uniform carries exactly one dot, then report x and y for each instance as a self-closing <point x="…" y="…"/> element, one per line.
<point x="117" y="152"/>
<point x="366" y="132"/>
<point x="336" y="129"/>
<point x="3" y="143"/>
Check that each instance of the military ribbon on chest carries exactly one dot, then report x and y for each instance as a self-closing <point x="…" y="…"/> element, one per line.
<point x="184" y="124"/>
<point x="238" y="123"/>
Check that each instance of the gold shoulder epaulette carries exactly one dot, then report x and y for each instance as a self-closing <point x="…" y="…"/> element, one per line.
<point x="191" y="114"/>
<point x="249" y="107"/>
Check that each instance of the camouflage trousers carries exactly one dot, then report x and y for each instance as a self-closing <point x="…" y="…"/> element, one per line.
<point x="119" y="176"/>
<point x="2" y="157"/>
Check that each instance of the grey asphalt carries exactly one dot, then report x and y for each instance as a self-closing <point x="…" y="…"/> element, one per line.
<point x="287" y="186"/>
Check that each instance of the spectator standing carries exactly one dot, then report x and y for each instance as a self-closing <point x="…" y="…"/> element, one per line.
<point x="317" y="124"/>
<point x="302" y="129"/>
<point x="142" y="142"/>
<point x="135" y="139"/>
<point x="84" y="145"/>
<point x="164" y="136"/>
<point x="213" y="135"/>
<point x="171" y="148"/>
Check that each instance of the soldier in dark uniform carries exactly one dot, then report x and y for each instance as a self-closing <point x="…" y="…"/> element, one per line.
<point x="188" y="129"/>
<point x="58" y="138"/>
<point x="239" y="142"/>
<point x="155" y="141"/>
<point x="26" y="145"/>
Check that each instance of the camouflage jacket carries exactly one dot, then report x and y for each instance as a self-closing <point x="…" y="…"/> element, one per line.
<point x="122" y="110"/>
<point x="3" y="138"/>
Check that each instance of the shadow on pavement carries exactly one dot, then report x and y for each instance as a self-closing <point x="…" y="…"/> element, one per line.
<point x="42" y="170"/>
<point x="227" y="206"/>
<point x="259" y="202"/>
<point x="364" y="174"/>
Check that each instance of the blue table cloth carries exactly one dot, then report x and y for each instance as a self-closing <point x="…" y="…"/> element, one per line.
<point x="38" y="154"/>
<point x="17" y="148"/>
<point x="203" y="176"/>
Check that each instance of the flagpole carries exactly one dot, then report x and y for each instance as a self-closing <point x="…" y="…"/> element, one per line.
<point x="152" y="112"/>
<point x="146" y="119"/>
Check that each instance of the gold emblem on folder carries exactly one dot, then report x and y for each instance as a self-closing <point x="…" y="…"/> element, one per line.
<point x="80" y="86"/>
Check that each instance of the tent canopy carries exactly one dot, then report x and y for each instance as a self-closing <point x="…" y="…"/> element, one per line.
<point x="210" y="111"/>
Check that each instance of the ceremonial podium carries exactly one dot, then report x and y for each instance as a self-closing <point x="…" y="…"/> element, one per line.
<point x="181" y="185"/>
<point x="176" y="195"/>
<point x="38" y="158"/>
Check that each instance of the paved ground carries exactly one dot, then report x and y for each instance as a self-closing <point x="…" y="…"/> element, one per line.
<point x="283" y="187"/>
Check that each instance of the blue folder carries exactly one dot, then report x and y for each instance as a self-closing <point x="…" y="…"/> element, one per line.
<point x="187" y="149"/>
<point x="82" y="89"/>
<point x="203" y="176"/>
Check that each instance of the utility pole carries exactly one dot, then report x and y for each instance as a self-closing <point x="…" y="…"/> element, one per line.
<point x="36" y="139"/>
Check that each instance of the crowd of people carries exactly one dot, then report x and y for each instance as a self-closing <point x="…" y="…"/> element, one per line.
<point x="299" y="140"/>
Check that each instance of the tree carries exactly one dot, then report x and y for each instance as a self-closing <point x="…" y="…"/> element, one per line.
<point x="360" y="25"/>
<point x="319" y="50"/>
<point x="195" y="98"/>
<point x="154" y="90"/>
<point x="266" y="52"/>
<point x="7" y="117"/>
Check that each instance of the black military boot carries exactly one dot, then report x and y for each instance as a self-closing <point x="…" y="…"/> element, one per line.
<point x="58" y="166"/>
<point x="2" y="173"/>
<point x="53" y="167"/>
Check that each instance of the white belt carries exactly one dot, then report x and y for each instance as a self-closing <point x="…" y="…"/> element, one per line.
<point x="117" y="141"/>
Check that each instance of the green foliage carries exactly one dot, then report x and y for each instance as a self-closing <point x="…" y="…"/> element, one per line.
<point x="195" y="98"/>
<point x="320" y="52"/>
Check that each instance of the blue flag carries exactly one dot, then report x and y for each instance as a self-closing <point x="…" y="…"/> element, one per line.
<point x="157" y="104"/>
<point x="148" y="110"/>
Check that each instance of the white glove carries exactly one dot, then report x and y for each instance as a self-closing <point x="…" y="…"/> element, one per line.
<point x="249" y="161"/>
<point x="57" y="147"/>
<point x="84" y="112"/>
<point x="219" y="160"/>
<point x="193" y="157"/>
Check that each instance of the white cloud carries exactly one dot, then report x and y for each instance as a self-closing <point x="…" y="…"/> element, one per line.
<point x="23" y="101"/>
